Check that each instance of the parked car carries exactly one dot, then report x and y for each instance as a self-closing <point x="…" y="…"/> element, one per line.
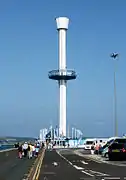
<point x="104" y="150"/>
<point x="117" y="151"/>
<point x="120" y="140"/>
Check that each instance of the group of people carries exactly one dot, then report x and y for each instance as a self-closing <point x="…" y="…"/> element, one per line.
<point x="28" y="150"/>
<point x="95" y="148"/>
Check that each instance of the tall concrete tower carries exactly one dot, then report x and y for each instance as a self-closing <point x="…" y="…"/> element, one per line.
<point x="62" y="75"/>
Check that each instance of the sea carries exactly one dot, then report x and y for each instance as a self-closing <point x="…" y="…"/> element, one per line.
<point x="9" y="142"/>
<point x="6" y="146"/>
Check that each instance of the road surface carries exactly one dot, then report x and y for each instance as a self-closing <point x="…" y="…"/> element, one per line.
<point x="66" y="165"/>
<point x="12" y="168"/>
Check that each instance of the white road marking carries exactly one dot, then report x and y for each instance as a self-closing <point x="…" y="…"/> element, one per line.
<point x="77" y="167"/>
<point x="114" y="178"/>
<point x="102" y="174"/>
<point x="100" y="161"/>
<point x="70" y="163"/>
<point x="73" y="165"/>
<point x="93" y="159"/>
<point x="64" y="158"/>
<point x="83" y="162"/>
<point x="80" y="168"/>
<point x="89" y="158"/>
<point x="87" y="173"/>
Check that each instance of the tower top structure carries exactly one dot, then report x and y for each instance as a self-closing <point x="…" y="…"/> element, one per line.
<point x="62" y="23"/>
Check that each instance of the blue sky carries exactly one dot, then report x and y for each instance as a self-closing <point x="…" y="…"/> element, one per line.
<point x="29" y="49"/>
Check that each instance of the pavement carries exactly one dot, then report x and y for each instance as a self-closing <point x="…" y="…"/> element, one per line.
<point x="99" y="158"/>
<point x="13" y="168"/>
<point x="66" y="164"/>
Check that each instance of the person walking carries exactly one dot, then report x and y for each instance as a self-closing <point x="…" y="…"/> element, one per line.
<point x="33" y="150"/>
<point x="25" y="149"/>
<point x="30" y="151"/>
<point x="97" y="148"/>
<point x="36" y="150"/>
<point x="20" y="151"/>
<point x="92" y="149"/>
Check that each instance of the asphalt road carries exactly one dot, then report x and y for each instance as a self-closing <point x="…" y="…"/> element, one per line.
<point x="65" y="164"/>
<point x="56" y="168"/>
<point x="13" y="168"/>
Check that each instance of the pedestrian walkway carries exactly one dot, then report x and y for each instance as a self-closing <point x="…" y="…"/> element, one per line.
<point x="90" y="156"/>
<point x="100" y="159"/>
<point x="12" y="167"/>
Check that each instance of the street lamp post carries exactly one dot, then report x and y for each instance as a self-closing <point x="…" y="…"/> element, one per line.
<point x="115" y="56"/>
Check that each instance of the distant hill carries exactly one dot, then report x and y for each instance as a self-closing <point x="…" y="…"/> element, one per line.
<point x="11" y="138"/>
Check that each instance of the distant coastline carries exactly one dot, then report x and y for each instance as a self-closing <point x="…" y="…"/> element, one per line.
<point x="7" y="142"/>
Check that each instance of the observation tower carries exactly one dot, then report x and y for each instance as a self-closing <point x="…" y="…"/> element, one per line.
<point x="62" y="75"/>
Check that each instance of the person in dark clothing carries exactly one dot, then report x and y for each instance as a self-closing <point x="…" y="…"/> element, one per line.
<point x="25" y="152"/>
<point x="20" y="151"/>
<point x="92" y="149"/>
<point x="16" y="145"/>
<point x="97" y="149"/>
<point x="43" y="145"/>
<point x="25" y="149"/>
<point x="64" y="144"/>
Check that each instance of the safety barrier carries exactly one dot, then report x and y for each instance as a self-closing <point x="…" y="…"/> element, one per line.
<point x="6" y="150"/>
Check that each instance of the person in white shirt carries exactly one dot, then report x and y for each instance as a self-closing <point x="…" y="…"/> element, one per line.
<point x="25" y="149"/>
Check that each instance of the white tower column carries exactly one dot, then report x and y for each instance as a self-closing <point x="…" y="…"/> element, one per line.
<point x="62" y="49"/>
<point x="62" y="26"/>
<point x="62" y="110"/>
